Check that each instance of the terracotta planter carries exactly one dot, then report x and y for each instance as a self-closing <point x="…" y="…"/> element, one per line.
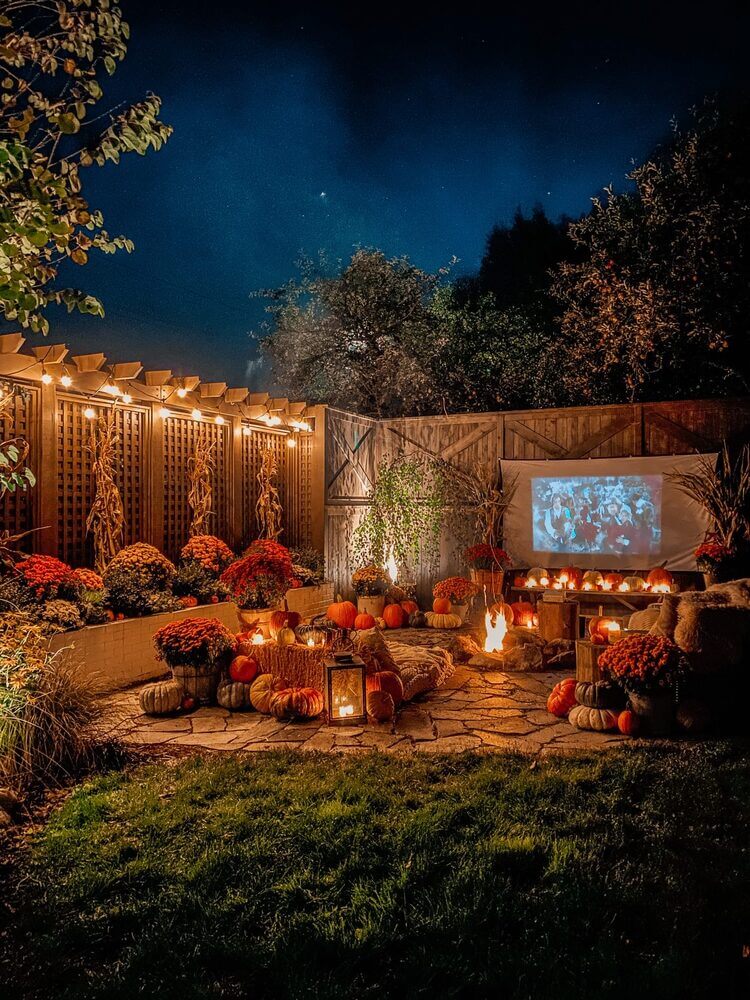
<point x="655" y="711"/>
<point x="489" y="579"/>
<point x="371" y="605"/>
<point x="252" y="619"/>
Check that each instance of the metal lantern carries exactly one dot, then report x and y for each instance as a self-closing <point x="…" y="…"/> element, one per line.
<point x="346" y="689"/>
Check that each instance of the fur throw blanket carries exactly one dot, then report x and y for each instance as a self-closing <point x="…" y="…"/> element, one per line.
<point x="421" y="668"/>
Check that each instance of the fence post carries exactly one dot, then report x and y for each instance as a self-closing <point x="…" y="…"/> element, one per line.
<point x="318" y="479"/>
<point x="154" y="447"/>
<point x="45" y="470"/>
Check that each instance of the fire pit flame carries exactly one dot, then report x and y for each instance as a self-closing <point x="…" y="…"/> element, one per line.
<point x="496" y="628"/>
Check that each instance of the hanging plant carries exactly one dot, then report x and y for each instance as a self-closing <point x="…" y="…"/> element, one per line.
<point x="199" y="469"/>
<point x="268" y="509"/>
<point x="405" y="516"/>
<point x="105" y="521"/>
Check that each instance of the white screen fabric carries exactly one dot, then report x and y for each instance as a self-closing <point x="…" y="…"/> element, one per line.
<point x="603" y="513"/>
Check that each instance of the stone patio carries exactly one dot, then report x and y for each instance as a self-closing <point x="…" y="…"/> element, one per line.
<point x="475" y="710"/>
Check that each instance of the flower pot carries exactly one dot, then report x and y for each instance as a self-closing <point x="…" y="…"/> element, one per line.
<point x="656" y="712"/>
<point x="490" y="581"/>
<point x="462" y="610"/>
<point x="371" y="605"/>
<point x="252" y="619"/>
<point x="198" y="682"/>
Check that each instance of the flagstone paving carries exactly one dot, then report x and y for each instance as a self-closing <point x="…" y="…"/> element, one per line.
<point x="475" y="710"/>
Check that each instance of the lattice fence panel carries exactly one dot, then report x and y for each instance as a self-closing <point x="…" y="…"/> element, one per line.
<point x="75" y="483"/>
<point x="298" y="508"/>
<point x="17" y="509"/>
<point x="180" y="436"/>
<point x="252" y="447"/>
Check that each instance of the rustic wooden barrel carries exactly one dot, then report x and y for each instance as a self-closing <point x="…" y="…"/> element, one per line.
<point x="558" y="619"/>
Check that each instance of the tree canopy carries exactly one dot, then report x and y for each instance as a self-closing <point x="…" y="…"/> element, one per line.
<point x="53" y="56"/>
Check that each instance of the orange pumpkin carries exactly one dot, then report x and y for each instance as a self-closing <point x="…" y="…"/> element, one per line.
<point x="409" y="607"/>
<point x="243" y="669"/>
<point x="394" y="616"/>
<point x="343" y="613"/>
<point x="297" y="703"/>
<point x="264" y="687"/>
<point x="598" y="631"/>
<point x="380" y="706"/>
<point x="363" y="622"/>
<point x="660" y="577"/>
<point x="612" y="580"/>
<point x="574" y="577"/>
<point x="519" y="581"/>
<point x="280" y="619"/>
<point x="386" y="680"/>
<point x="441" y="606"/>
<point x="628" y="723"/>
<point x="562" y="697"/>
<point x="523" y="612"/>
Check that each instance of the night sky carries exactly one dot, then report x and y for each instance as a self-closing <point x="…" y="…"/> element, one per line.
<point x="301" y="129"/>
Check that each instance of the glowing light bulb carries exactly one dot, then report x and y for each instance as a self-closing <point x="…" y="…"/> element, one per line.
<point x="291" y="442"/>
<point x="163" y="412"/>
<point x="196" y="414"/>
<point x="46" y="378"/>
<point x="218" y="419"/>
<point x="247" y="431"/>
<point x="89" y="413"/>
<point x="182" y="392"/>
<point x="127" y="398"/>
<point x="66" y="381"/>
<point x="111" y="389"/>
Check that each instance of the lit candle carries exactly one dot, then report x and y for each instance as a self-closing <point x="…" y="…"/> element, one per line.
<point x="544" y="581"/>
<point x="557" y="585"/>
<point x="531" y="582"/>
<point x="587" y="586"/>
<point x="257" y="639"/>
<point x="311" y="641"/>
<point x="624" y="586"/>
<point x="613" y="631"/>
<point x="606" y="585"/>
<point x="529" y="623"/>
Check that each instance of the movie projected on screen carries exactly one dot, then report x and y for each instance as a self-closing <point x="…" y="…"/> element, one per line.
<point x="607" y="515"/>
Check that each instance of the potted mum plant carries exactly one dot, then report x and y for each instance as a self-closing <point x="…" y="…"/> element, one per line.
<point x="487" y="567"/>
<point x="459" y="591"/>
<point x="649" y="668"/>
<point x="370" y="584"/>
<point x="196" y="650"/>
<point x="258" y="582"/>
<point x="714" y="560"/>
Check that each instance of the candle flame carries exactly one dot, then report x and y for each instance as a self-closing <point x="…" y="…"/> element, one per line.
<point x="257" y="639"/>
<point x="496" y="628"/>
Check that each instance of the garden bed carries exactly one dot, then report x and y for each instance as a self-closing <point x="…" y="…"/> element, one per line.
<point x="121" y="653"/>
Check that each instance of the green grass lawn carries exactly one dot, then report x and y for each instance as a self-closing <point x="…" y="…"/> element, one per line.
<point x="283" y="875"/>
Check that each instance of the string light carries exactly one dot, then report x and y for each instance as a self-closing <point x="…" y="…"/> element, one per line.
<point x="291" y="442"/>
<point x="46" y="378"/>
<point x="182" y="392"/>
<point x="111" y="389"/>
<point x="89" y="413"/>
<point x="247" y="431"/>
<point x="66" y="381"/>
<point x="219" y="419"/>
<point x="127" y="398"/>
<point x="163" y="412"/>
<point x="196" y="414"/>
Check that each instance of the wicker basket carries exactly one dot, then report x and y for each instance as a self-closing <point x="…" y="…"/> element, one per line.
<point x="199" y="682"/>
<point x="374" y="605"/>
<point x="490" y="581"/>
<point x="251" y="619"/>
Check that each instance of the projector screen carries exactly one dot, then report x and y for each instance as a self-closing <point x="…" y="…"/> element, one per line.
<point x="602" y="513"/>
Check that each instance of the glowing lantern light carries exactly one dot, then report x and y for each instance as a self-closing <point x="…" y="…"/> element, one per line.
<point x="613" y="631"/>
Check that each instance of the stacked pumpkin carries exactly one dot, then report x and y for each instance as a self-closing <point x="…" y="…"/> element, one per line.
<point x="597" y="705"/>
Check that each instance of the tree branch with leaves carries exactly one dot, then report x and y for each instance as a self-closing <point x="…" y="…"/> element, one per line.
<point x="52" y="56"/>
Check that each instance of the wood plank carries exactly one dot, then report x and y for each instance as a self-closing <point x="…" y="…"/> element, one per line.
<point x="689" y="439"/>
<point x="466" y="442"/>
<point x="549" y="447"/>
<point x="588" y="444"/>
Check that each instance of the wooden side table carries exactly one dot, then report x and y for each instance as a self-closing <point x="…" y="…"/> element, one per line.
<point x="587" y="660"/>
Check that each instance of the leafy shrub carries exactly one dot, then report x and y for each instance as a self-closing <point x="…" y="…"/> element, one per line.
<point x="47" y="578"/>
<point x="139" y="581"/>
<point x="89" y="579"/>
<point x="94" y="608"/>
<point x="193" y="642"/>
<point x="194" y="580"/>
<point x="309" y="566"/>
<point x="15" y="595"/>
<point x="62" y="614"/>
<point x="262" y="576"/>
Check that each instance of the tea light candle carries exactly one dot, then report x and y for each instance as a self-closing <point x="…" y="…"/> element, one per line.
<point x="613" y="631"/>
<point x="257" y="639"/>
<point x="544" y="582"/>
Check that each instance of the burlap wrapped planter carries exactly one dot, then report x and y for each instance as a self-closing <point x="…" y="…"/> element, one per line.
<point x="198" y="682"/>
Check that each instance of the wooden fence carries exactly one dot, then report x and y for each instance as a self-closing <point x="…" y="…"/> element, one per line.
<point x="155" y="443"/>
<point x="355" y="446"/>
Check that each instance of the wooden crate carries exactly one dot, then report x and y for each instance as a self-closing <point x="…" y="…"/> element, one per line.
<point x="587" y="660"/>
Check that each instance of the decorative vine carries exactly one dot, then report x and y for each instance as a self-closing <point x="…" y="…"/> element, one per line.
<point x="405" y="516"/>
<point x="106" y="520"/>
<point x="268" y="509"/>
<point x="14" y="475"/>
<point x="200" y="466"/>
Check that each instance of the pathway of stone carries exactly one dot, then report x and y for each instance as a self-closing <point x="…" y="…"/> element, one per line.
<point x="475" y="710"/>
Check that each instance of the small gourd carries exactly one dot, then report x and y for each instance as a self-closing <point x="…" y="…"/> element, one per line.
<point x="441" y="606"/>
<point x="394" y="615"/>
<point x="286" y="636"/>
<point x="386" y="680"/>
<point x="633" y="583"/>
<point x="380" y="706"/>
<point x="599" y="719"/>
<point x="594" y="578"/>
<point x="435" y="620"/>
<point x="418" y="619"/>
<point x="296" y="703"/>
<point x="161" y="698"/>
<point x="410" y="607"/>
<point x="363" y="622"/>
<point x="628" y="723"/>
<point x="234" y="695"/>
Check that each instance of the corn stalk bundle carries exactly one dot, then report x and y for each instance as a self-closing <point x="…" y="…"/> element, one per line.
<point x="723" y="491"/>
<point x="105" y="521"/>
<point x="200" y="468"/>
<point x="268" y="509"/>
